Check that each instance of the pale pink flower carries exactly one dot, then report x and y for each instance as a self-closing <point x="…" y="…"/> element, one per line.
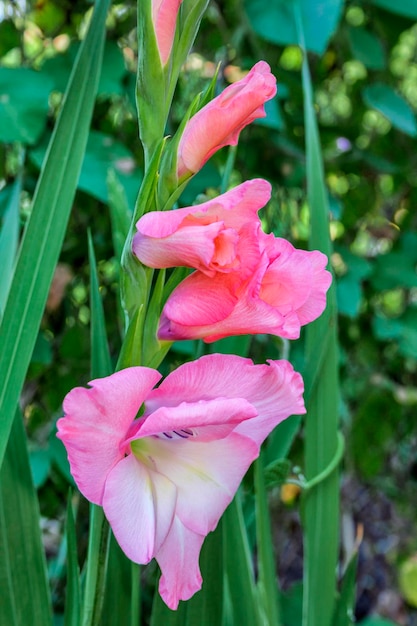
<point x="164" y="17"/>
<point x="219" y="123"/>
<point x="165" y="478"/>
<point x="220" y="235"/>
<point x="286" y="291"/>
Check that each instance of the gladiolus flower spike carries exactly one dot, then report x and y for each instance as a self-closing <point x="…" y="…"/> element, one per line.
<point x="164" y="479"/>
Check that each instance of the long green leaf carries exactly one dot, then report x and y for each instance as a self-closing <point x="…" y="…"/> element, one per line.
<point x="117" y="597"/>
<point x="267" y="576"/>
<point x="161" y="614"/>
<point x="9" y="237"/>
<point x="238" y="567"/>
<point x="46" y="227"/>
<point x="344" y="614"/>
<point x="100" y="355"/>
<point x="99" y="538"/>
<point x="206" y="607"/>
<point x="119" y="213"/>
<point x="73" y="595"/>
<point x="321" y="506"/>
<point x="24" y="596"/>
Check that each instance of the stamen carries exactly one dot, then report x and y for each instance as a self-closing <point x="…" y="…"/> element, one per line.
<point x="182" y="433"/>
<point x="185" y="436"/>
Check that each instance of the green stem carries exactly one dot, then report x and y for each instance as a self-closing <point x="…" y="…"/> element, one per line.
<point x="331" y="467"/>
<point x="97" y="557"/>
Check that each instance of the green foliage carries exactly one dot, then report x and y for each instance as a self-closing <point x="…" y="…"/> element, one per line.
<point x="367" y="48"/>
<point x="274" y="21"/>
<point x="113" y="71"/>
<point x="23" y="105"/>
<point x="408" y="580"/>
<point x="394" y="107"/>
<point x="407" y="8"/>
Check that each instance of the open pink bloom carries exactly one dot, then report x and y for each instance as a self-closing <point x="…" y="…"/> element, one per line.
<point x="286" y="291"/>
<point x="219" y="123"/>
<point x="164" y="17"/>
<point x="220" y="235"/>
<point x="165" y="478"/>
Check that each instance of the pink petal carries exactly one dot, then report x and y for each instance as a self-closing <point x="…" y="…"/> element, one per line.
<point x="206" y="475"/>
<point x="200" y="299"/>
<point x="96" y="422"/>
<point x="164" y="16"/>
<point x="285" y="289"/>
<point x="235" y="207"/>
<point x="139" y="504"/>
<point x="213" y="308"/>
<point x="201" y="418"/>
<point x="191" y="246"/>
<point x="178" y="560"/>
<point x="218" y="235"/>
<point x="294" y="277"/>
<point x="320" y="283"/>
<point x="219" y="123"/>
<point x="275" y="390"/>
<point x="278" y="395"/>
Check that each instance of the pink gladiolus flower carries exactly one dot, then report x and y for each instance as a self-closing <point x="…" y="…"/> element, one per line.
<point x="165" y="478"/>
<point x="164" y="17"/>
<point x="286" y="291"/>
<point x="219" y="123"/>
<point x="220" y="235"/>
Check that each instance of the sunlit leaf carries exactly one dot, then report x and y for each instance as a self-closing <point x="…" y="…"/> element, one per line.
<point x="407" y="8"/>
<point x="383" y="98"/>
<point x="274" y="21"/>
<point x="103" y="152"/>
<point x="24" y="104"/>
<point x="367" y="48"/>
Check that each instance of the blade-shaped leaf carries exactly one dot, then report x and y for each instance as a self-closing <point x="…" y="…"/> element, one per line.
<point x="100" y="355"/>
<point x="73" y="593"/>
<point x="267" y="576"/>
<point x="321" y="510"/>
<point x="206" y="607"/>
<point x="24" y="597"/>
<point x="46" y="227"/>
<point x="343" y="615"/>
<point x="9" y="237"/>
<point x="238" y="568"/>
<point x="99" y="538"/>
<point x="117" y="597"/>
